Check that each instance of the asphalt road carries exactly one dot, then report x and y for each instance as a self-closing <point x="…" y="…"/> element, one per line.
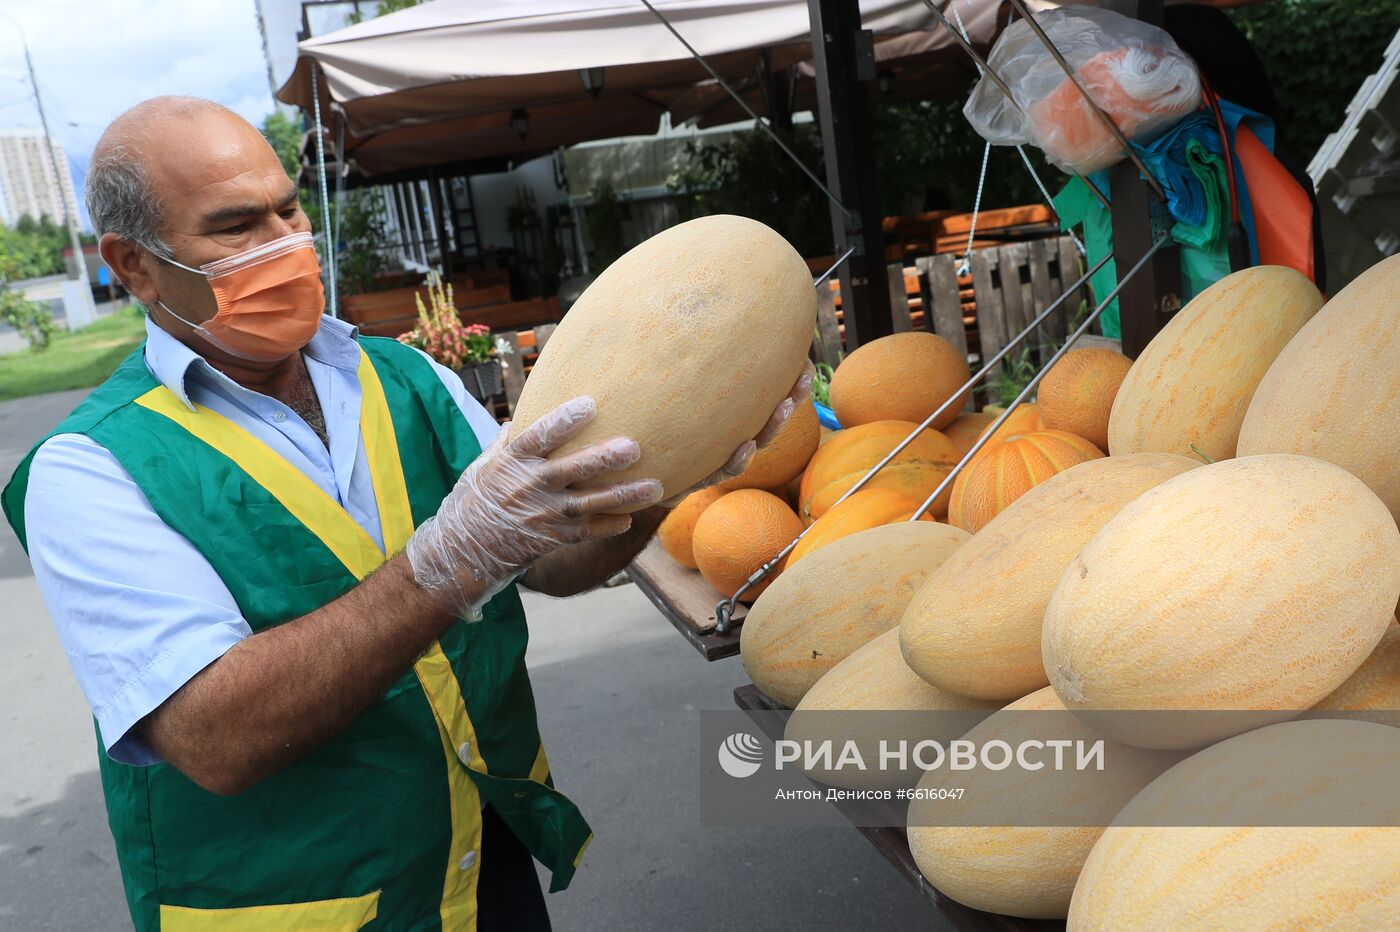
<point x="619" y="696"/>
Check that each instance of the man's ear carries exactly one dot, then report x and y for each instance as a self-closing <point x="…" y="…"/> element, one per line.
<point x="128" y="262"/>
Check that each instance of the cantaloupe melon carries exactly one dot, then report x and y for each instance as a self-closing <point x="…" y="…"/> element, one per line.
<point x="786" y="456"/>
<point x="1259" y="583"/>
<point x="851" y="453"/>
<point x="869" y="697"/>
<point x="1375" y="686"/>
<point x="1004" y="470"/>
<point x="865" y="509"/>
<point x="1334" y="391"/>
<point x="964" y="431"/>
<point x="686" y="344"/>
<point x="901" y="377"/>
<point x="974" y="627"/>
<point x="1077" y="393"/>
<point x="1238" y="865"/>
<point x="1023" y="835"/>
<point x="1193" y="382"/>
<point x="677" y="531"/>
<point x="737" y="534"/>
<point x="818" y="612"/>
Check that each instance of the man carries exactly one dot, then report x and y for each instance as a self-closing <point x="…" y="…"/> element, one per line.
<point x="282" y="568"/>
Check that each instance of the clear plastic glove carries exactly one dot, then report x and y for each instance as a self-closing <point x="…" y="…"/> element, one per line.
<point x="513" y="506"/>
<point x="801" y="392"/>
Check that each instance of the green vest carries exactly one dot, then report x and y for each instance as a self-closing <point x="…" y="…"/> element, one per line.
<point x="381" y="827"/>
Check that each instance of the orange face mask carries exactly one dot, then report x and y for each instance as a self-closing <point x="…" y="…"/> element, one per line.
<point x="270" y="299"/>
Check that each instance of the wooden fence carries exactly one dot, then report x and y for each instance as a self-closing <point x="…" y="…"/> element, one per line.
<point x="1003" y="290"/>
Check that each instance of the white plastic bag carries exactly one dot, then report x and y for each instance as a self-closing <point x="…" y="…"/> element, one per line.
<point x="1135" y="72"/>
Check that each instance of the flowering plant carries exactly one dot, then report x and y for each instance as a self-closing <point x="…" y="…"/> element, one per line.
<point x="443" y="336"/>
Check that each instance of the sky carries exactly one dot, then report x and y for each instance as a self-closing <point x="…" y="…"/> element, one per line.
<point x="95" y="58"/>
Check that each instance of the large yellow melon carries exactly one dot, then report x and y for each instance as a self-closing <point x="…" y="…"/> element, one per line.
<point x="1334" y="392"/>
<point x="1209" y="844"/>
<point x="974" y="627"/>
<point x="1023" y="835"/>
<point x="1376" y="683"/>
<point x="819" y="611"/>
<point x="901" y="377"/>
<point x="1193" y="382"/>
<point x="786" y="456"/>
<point x="1259" y="583"/>
<point x="687" y="343"/>
<point x="869" y="697"/>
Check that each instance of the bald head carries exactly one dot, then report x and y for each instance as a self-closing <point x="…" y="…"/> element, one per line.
<point x="146" y="153"/>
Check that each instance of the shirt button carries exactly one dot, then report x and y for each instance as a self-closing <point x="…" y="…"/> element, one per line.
<point x="279" y="416"/>
<point x="464" y="753"/>
<point x="467" y="861"/>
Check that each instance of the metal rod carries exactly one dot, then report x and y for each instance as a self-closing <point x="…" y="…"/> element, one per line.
<point x="747" y="109"/>
<point x="325" y="198"/>
<point x="1030" y="386"/>
<point x="834" y="266"/>
<point x="1108" y="123"/>
<point x="724" y="611"/>
<point x="990" y="72"/>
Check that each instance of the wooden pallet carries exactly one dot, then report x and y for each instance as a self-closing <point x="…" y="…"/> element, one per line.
<point x="893" y="844"/>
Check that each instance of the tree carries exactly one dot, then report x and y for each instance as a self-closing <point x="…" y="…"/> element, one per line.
<point x="285" y="138"/>
<point x="1317" y="53"/>
<point x="32" y="320"/>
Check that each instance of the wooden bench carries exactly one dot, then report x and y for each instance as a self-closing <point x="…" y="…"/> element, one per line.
<point x="511" y="315"/>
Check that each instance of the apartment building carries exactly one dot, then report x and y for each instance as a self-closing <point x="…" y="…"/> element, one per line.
<point x="27" y="182"/>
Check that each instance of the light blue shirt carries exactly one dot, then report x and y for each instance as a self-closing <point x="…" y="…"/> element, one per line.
<point x="139" y="610"/>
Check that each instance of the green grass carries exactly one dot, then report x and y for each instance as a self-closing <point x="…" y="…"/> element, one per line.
<point x="80" y="359"/>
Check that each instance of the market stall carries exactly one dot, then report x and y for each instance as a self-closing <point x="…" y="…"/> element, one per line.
<point x="1171" y="412"/>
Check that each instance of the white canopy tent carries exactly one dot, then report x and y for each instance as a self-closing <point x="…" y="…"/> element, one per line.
<point x="573" y="69"/>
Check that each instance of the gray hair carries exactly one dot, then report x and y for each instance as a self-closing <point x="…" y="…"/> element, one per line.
<point x="119" y="195"/>
<point x="120" y="199"/>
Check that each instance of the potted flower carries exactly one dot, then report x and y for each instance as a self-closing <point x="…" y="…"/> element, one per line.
<point x="470" y="349"/>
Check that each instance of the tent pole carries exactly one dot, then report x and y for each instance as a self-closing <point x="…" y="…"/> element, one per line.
<point x="844" y="57"/>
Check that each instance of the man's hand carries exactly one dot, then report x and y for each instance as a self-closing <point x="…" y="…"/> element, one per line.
<point x="513" y="505"/>
<point x="801" y="391"/>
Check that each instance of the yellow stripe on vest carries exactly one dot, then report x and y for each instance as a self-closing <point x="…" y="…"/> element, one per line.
<point x="298" y="494"/>
<point x="434" y="670"/>
<point x="382" y="452"/>
<point x="346" y="915"/>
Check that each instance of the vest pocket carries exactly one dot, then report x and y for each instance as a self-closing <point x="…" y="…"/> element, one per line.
<point x="344" y="915"/>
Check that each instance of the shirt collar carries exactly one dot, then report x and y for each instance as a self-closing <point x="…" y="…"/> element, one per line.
<point x="173" y="363"/>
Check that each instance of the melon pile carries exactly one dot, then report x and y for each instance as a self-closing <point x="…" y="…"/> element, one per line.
<point x="1235" y="552"/>
<point x="880" y="394"/>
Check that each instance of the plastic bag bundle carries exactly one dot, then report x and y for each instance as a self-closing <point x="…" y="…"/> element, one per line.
<point x="1135" y="72"/>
